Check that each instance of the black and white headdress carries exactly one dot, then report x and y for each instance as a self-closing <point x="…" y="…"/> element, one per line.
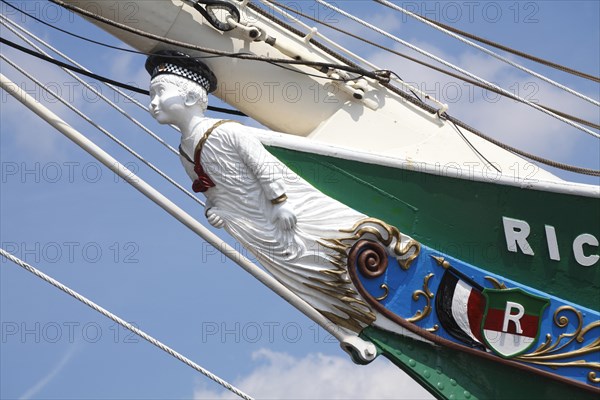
<point x="177" y="63"/>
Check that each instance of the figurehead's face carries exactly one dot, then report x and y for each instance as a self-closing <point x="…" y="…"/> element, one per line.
<point x="174" y="99"/>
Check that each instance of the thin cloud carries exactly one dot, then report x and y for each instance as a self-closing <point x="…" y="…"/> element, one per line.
<point x="54" y="372"/>
<point x="319" y="376"/>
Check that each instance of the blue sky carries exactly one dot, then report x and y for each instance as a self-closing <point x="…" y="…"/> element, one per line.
<point x="63" y="212"/>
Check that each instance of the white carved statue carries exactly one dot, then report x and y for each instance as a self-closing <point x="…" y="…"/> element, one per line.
<point x="269" y="209"/>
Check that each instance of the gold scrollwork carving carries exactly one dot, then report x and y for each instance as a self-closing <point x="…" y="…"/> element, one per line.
<point x="495" y="282"/>
<point x="549" y="353"/>
<point x="370" y="258"/>
<point x="419" y="315"/>
<point x="385" y="235"/>
<point x="434" y="328"/>
<point x="386" y="291"/>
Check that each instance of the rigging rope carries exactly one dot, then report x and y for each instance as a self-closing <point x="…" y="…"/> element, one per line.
<point x="101" y="129"/>
<point x="209" y="14"/>
<point x="70" y="33"/>
<point x="475" y="149"/>
<point x="431" y="66"/>
<point x="112" y="104"/>
<point x="269" y="15"/>
<point x="210" y="108"/>
<point x="450" y="65"/>
<point x="235" y="112"/>
<point x="99" y="77"/>
<point x="515" y="52"/>
<point x="280" y="9"/>
<point x="88" y="119"/>
<point x="489" y="52"/>
<point x="124" y="324"/>
<point x="566" y="167"/>
<point x="375" y="75"/>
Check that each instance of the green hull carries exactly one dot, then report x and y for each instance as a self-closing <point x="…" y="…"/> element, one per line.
<point x="449" y="374"/>
<point x="463" y="218"/>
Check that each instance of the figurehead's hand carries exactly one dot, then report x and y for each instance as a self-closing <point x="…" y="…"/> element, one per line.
<point x="213" y="217"/>
<point x="284" y="216"/>
<point x="284" y="219"/>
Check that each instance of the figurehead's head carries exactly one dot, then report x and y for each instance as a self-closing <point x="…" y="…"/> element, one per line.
<point x="186" y="77"/>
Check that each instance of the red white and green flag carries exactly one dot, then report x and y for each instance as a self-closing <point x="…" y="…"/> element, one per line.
<point x="511" y="321"/>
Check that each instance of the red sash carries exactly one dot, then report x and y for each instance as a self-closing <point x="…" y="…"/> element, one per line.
<point x="203" y="182"/>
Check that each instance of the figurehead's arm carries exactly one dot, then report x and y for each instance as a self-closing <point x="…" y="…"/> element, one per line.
<point x="267" y="170"/>
<point x="259" y="162"/>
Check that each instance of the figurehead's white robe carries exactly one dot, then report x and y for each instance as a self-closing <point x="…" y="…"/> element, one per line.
<point x="247" y="178"/>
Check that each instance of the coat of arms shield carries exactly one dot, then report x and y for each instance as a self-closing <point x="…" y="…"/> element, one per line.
<point x="511" y="321"/>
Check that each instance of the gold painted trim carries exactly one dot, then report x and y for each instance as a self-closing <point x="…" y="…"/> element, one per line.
<point x="548" y="352"/>
<point x="419" y="315"/>
<point x="210" y="130"/>
<point x="279" y="200"/>
<point x="361" y="229"/>
<point x="385" y="294"/>
<point x="441" y="261"/>
<point x="496" y="283"/>
<point x="368" y="229"/>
